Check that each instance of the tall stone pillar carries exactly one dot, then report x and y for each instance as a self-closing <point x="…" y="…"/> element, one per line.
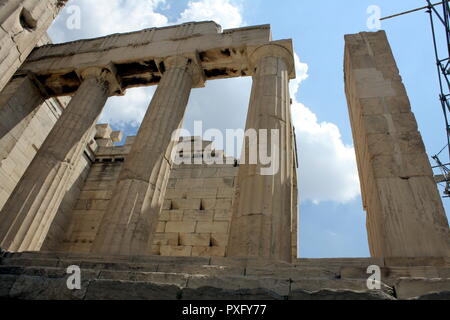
<point x="22" y="24"/>
<point x="132" y="215"/>
<point x="28" y="213"/>
<point x="18" y="101"/>
<point x="261" y="223"/>
<point x="405" y="216"/>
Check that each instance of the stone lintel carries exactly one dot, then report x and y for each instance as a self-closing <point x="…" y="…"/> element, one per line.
<point x="138" y="57"/>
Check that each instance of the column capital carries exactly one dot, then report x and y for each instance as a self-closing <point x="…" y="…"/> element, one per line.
<point x="191" y="64"/>
<point x="106" y="75"/>
<point x="273" y="50"/>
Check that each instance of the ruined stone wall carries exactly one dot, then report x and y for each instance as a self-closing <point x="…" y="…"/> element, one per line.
<point x="196" y="215"/>
<point x="194" y="220"/>
<point x="90" y="207"/>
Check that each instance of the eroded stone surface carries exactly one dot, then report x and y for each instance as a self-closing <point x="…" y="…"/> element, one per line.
<point x="43" y="276"/>
<point x="405" y="216"/>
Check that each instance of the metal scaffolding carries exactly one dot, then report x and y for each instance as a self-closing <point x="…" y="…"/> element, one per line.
<point x="441" y="19"/>
<point x="439" y="14"/>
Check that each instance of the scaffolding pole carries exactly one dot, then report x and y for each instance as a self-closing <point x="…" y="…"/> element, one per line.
<point x="440" y="19"/>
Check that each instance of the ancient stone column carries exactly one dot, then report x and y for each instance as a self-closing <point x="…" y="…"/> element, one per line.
<point x="131" y="217"/>
<point x="18" y="101"/>
<point x="22" y="25"/>
<point x="29" y="211"/>
<point x="405" y="216"/>
<point x="261" y="223"/>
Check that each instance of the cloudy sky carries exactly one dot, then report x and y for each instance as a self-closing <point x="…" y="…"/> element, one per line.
<point x="332" y="222"/>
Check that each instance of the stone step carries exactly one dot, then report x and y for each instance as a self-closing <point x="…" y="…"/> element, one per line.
<point x="207" y="266"/>
<point x="42" y="275"/>
<point x="90" y="257"/>
<point x="339" y="262"/>
<point x="50" y="283"/>
<point x="407" y="288"/>
<point x="183" y="267"/>
<point x="390" y="275"/>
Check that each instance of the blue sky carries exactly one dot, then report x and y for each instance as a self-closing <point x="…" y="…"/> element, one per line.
<point x="332" y="222"/>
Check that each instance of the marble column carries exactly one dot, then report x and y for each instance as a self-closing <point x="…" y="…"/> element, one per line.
<point x="36" y="199"/>
<point x="132" y="214"/>
<point x="261" y="222"/>
<point x="18" y="102"/>
<point x="405" y="215"/>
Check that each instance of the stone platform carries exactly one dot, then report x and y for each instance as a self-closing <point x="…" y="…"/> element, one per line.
<point x="42" y="276"/>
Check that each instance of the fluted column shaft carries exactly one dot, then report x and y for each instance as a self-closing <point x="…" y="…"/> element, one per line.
<point x="36" y="198"/>
<point x="131" y="217"/>
<point x="19" y="101"/>
<point x="261" y="223"/>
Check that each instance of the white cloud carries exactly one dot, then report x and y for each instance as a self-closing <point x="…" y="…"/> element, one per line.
<point x="223" y="12"/>
<point x="103" y="17"/>
<point x="301" y="73"/>
<point x="328" y="169"/>
<point x="128" y="110"/>
<point x="327" y="166"/>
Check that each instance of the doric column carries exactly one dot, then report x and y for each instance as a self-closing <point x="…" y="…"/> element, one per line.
<point x="405" y="216"/>
<point x="29" y="211"/>
<point x="132" y="214"/>
<point x="23" y="24"/>
<point x="261" y="223"/>
<point x="18" y="101"/>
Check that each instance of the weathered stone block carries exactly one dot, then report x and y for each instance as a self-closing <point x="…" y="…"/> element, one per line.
<point x="208" y="251"/>
<point x="181" y="226"/>
<point x="414" y="287"/>
<point x="186" y="204"/>
<point x="198" y="215"/>
<point x="280" y="287"/>
<point x="6" y="283"/>
<point x="328" y="294"/>
<point x="126" y="290"/>
<point x="170" y="239"/>
<point x="43" y="288"/>
<point x="209" y="293"/>
<point x="176" y="251"/>
<point x="195" y="239"/>
<point x="163" y="278"/>
<point x="161" y="227"/>
<point x="222" y="215"/>
<point x="103" y="131"/>
<point x="219" y="239"/>
<point x="225" y="193"/>
<point x="212" y="227"/>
